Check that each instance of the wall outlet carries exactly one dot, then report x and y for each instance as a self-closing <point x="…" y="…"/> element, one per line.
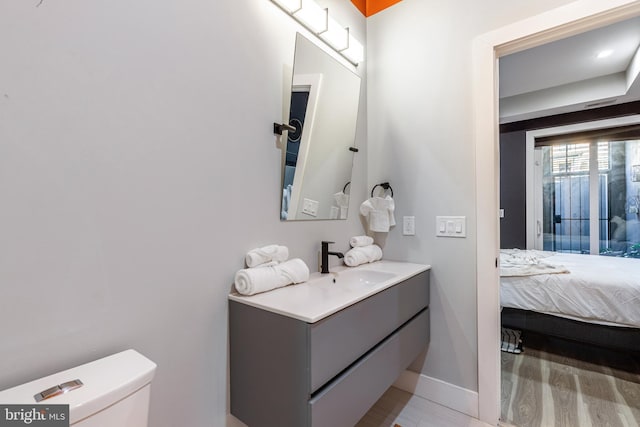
<point x="310" y="207"/>
<point x="409" y="225"/>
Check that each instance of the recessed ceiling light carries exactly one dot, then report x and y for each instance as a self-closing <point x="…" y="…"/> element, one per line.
<point x="604" y="54"/>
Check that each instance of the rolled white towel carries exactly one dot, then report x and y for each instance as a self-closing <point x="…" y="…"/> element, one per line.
<point x="360" y="241"/>
<point x="362" y="255"/>
<point x="258" y="256"/>
<point x="251" y="281"/>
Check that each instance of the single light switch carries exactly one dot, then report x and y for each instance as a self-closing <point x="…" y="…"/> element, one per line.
<point x="449" y="227"/>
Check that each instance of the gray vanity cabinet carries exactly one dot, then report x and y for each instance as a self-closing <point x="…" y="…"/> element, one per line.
<point x="289" y="373"/>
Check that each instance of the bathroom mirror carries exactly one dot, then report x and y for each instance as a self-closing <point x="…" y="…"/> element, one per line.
<point x="318" y="157"/>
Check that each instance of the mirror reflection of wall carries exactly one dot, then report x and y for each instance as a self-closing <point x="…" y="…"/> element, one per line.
<point x="317" y="160"/>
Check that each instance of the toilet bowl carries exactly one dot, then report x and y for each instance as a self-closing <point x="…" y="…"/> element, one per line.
<point x="112" y="391"/>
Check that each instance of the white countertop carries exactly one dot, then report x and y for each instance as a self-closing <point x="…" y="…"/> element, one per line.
<point x="320" y="297"/>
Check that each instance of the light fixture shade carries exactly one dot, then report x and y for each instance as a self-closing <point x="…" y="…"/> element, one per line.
<point x="289" y="5"/>
<point x="355" y="51"/>
<point x="336" y="35"/>
<point x="313" y="16"/>
<point x="318" y="20"/>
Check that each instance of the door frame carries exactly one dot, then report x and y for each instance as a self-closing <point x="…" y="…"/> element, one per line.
<point x="562" y="22"/>
<point x="304" y="83"/>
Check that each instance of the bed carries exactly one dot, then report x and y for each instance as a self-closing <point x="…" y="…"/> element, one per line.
<point x="588" y="298"/>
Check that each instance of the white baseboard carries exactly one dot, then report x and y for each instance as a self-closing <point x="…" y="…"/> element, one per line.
<point x="443" y="393"/>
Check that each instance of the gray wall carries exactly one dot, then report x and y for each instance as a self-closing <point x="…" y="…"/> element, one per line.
<point x="137" y="167"/>
<point x="421" y="140"/>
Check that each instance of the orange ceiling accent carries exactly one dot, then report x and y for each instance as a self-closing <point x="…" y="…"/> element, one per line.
<point x="361" y="5"/>
<point x="370" y="7"/>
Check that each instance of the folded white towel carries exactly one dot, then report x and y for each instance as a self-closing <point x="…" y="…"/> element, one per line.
<point x="356" y="241"/>
<point x="362" y="255"/>
<point x="379" y="213"/>
<point x="266" y="254"/>
<point x="251" y="281"/>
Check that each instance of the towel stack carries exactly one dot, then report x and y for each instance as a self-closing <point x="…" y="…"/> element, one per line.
<point x="363" y="251"/>
<point x="378" y="212"/>
<point x="269" y="268"/>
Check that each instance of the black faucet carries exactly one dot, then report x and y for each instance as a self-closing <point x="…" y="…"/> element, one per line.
<point x="324" y="265"/>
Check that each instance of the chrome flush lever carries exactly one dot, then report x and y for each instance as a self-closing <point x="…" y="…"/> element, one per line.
<point x="58" y="390"/>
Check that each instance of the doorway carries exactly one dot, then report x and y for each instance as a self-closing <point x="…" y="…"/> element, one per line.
<point x="577" y="17"/>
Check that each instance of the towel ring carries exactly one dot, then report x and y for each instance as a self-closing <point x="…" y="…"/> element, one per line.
<point x="344" y="189"/>
<point x="384" y="185"/>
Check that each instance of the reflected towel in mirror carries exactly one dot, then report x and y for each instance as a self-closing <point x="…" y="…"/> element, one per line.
<point x="342" y="200"/>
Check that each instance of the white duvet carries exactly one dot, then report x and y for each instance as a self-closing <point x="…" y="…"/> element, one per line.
<point x="597" y="289"/>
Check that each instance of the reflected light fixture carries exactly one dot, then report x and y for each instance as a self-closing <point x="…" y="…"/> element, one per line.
<point x="318" y="20"/>
<point x="604" y="54"/>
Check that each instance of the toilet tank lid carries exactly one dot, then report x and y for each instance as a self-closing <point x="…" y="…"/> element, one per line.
<point x="105" y="382"/>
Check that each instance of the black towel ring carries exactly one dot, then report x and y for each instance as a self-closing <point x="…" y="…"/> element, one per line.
<point x="344" y="189"/>
<point x="384" y="185"/>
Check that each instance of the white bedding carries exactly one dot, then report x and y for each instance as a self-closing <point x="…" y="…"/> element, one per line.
<point x="598" y="289"/>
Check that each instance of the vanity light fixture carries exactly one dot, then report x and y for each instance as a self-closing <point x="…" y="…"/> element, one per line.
<point x="318" y="20"/>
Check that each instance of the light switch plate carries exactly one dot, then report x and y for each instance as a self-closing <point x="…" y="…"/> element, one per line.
<point x="409" y="225"/>
<point x="310" y="207"/>
<point x="451" y="226"/>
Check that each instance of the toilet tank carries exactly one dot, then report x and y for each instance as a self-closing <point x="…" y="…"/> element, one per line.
<point x="114" y="391"/>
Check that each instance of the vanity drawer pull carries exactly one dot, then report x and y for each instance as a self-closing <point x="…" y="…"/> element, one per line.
<point x="57" y="390"/>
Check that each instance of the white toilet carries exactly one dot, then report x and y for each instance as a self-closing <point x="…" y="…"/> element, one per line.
<point x="109" y="392"/>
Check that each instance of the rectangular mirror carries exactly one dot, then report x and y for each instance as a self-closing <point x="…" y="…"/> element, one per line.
<point x="318" y="159"/>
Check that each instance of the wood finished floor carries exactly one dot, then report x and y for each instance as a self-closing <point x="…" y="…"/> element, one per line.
<point x="556" y="383"/>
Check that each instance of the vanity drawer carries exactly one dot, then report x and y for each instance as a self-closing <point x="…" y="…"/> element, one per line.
<point x="338" y="340"/>
<point x="347" y="398"/>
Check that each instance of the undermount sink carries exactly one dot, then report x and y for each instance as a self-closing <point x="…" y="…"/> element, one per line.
<point x="362" y="277"/>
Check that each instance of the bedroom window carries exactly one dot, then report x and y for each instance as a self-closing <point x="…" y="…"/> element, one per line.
<point x="584" y="177"/>
<point x="574" y="158"/>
